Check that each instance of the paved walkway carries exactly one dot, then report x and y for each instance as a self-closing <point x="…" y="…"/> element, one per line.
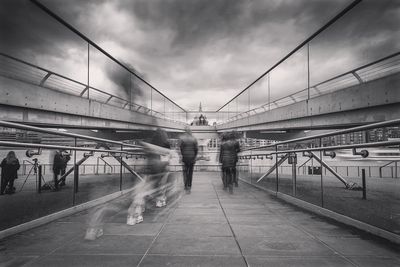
<point x="209" y="227"/>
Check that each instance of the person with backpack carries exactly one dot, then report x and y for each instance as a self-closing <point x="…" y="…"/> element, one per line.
<point x="189" y="148"/>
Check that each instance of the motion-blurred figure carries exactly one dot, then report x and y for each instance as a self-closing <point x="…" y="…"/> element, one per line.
<point x="228" y="157"/>
<point x="155" y="184"/>
<point x="189" y="149"/>
<point x="9" y="172"/>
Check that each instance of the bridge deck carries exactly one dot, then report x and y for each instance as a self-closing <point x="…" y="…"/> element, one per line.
<point x="209" y="227"/>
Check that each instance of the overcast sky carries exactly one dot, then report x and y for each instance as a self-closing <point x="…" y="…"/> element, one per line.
<point x="200" y="50"/>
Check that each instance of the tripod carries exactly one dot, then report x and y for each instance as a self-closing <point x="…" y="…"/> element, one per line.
<point x="35" y="169"/>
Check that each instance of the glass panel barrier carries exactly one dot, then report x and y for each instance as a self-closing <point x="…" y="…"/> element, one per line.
<point x="99" y="174"/>
<point x="334" y="51"/>
<point x="32" y="195"/>
<point x="381" y="205"/>
<point x="308" y="169"/>
<point x="42" y="41"/>
<point x="263" y="173"/>
<point x="285" y="182"/>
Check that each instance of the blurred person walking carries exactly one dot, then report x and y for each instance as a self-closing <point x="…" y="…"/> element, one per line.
<point x="9" y="172"/>
<point x="155" y="184"/>
<point x="189" y="149"/>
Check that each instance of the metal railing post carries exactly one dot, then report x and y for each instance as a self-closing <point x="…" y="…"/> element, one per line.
<point x="322" y="177"/>
<point x="39" y="179"/>
<point x="76" y="175"/>
<point x="120" y="170"/>
<point x="276" y="170"/>
<point x="364" y="185"/>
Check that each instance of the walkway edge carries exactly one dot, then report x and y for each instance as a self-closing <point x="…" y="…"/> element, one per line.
<point x="54" y="216"/>
<point x="332" y="215"/>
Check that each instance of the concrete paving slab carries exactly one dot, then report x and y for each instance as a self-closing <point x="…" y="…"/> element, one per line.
<point x="335" y="261"/>
<point x="282" y="247"/>
<point x="196" y="230"/>
<point x="189" y="261"/>
<point x="42" y="240"/>
<point x="238" y="201"/>
<point x="254" y="219"/>
<point x="199" y="211"/>
<point x="145" y="228"/>
<point x="87" y="260"/>
<point x="284" y="231"/>
<point x="171" y="245"/>
<point x="357" y="246"/>
<point x="197" y="219"/>
<point x="10" y="261"/>
<point x="326" y="229"/>
<point x="214" y="205"/>
<point x="249" y="211"/>
<point x="107" y="244"/>
<point x="372" y="261"/>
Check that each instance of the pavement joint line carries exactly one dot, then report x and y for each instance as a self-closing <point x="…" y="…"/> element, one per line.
<point x="52" y="251"/>
<point x="312" y="236"/>
<point x="230" y="227"/>
<point x="159" y="232"/>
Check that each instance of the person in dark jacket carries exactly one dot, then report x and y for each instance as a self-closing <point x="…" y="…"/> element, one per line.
<point x="59" y="166"/>
<point x="189" y="149"/>
<point x="9" y="172"/>
<point x="237" y="149"/>
<point x="228" y="159"/>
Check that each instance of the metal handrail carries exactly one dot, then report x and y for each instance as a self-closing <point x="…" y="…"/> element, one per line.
<point x="34" y="145"/>
<point x="84" y="37"/>
<point x="344" y="131"/>
<point x="318" y="84"/>
<point x="85" y="87"/>
<point x="73" y="135"/>
<point x="329" y="148"/>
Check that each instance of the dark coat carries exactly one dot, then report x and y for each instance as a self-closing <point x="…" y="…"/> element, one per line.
<point x="9" y="171"/>
<point x="189" y="148"/>
<point x="60" y="162"/>
<point x="228" y="155"/>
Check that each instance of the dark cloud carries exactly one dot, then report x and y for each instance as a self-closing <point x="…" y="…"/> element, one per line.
<point x="195" y="50"/>
<point x="28" y="31"/>
<point x="200" y="22"/>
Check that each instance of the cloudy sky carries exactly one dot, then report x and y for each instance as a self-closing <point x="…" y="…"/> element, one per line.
<point x="200" y="50"/>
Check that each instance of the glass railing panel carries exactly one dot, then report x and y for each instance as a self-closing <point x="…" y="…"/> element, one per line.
<point x="306" y="172"/>
<point x="158" y="104"/>
<point x="244" y="167"/>
<point x="262" y="168"/>
<point x="335" y="51"/>
<point x="33" y="194"/>
<point x="110" y="79"/>
<point x="259" y="93"/>
<point x="44" y="42"/>
<point x="99" y="172"/>
<point x="382" y="202"/>
<point x="284" y="170"/>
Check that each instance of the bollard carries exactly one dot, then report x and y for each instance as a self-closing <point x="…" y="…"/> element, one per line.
<point x="364" y="187"/>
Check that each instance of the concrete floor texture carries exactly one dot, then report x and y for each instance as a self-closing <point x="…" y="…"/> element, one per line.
<point x="209" y="227"/>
